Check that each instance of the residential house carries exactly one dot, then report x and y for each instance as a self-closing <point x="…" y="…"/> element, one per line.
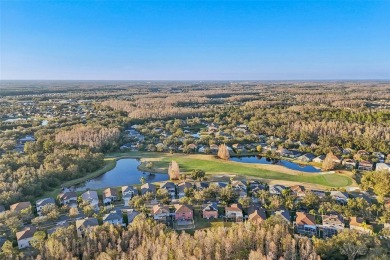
<point x="319" y="159"/>
<point x="92" y="198"/>
<point x="170" y="187"/>
<point x="382" y="167"/>
<point x="114" y="217"/>
<point x="219" y="184"/>
<point x="283" y="214"/>
<point x="20" y="206"/>
<point x="131" y="214"/>
<point x="362" y="195"/>
<point x="214" y="148"/>
<point x="349" y="164"/>
<point x="62" y="224"/>
<point x="332" y="224"/>
<point x="110" y="195"/>
<point x="160" y="212"/>
<point x="365" y="166"/>
<point x="129" y="191"/>
<point x="234" y="212"/>
<point x="181" y="187"/>
<point x="183" y="212"/>
<point x="360" y="225"/>
<point x="210" y="210"/>
<point x="380" y="156"/>
<point x="82" y="225"/>
<point x="192" y="147"/>
<point x="339" y="196"/>
<point x="337" y="159"/>
<point x="308" y="157"/>
<point x="24" y="237"/>
<point x="277" y="189"/>
<point x="298" y="190"/>
<point x="240" y="188"/>
<point x="43" y="202"/>
<point x="320" y="193"/>
<point x="257" y="216"/>
<point x="200" y="185"/>
<point x="68" y="198"/>
<point x="305" y="224"/>
<point x="127" y="194"/>
<point x="148" y="187"/>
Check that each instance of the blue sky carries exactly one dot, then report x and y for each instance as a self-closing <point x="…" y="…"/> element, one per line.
<point x="185" y="40"/>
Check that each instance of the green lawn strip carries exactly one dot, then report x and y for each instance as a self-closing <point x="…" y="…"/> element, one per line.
<point x="211" y="166"/>
<point x="110" y="164"/>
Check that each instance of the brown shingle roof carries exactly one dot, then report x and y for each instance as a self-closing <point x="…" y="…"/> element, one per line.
<point x="305" y="219"/>
<point x="26" y="233"/>
<point x="182" y="208"/>
<point x="20" y="206"/>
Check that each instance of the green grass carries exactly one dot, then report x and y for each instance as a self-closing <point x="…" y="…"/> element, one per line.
<point x="110" y="164"/>
<point x="219" y="166"/>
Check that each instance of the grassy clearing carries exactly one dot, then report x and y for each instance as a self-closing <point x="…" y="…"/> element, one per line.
<point x="213" y="166"/>
<point x="253" y="170"/>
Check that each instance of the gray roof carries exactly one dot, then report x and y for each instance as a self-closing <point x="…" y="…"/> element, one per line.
<point x="148" y="187"/>
<point x="284" y="213"/>
<point x="211" y="206"/>
<point x="113" y="215"/>
<point x="54" y="229"/>
<point x="45" y="201"/>
<point x="167" y="185"/>
<point x="86" y="222"/>
<point x="182" y="186"/>
<point x="131" y="214"/>
<point x="90" y="195"/>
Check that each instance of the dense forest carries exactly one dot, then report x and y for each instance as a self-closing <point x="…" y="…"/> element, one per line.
<point x="146" y="239"/>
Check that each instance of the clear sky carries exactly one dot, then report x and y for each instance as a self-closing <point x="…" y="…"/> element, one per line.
<point x="214" y="40"/>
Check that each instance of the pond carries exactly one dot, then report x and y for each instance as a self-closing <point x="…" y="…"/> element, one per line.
<point x="287" y="164"/>
<point x="124" y="173"/>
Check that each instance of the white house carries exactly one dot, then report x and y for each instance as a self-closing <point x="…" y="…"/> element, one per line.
<point x="23" y="237"/>
<point x="43" y="202"/>
<point x="382" y="167"/>
<point x="129" y="191"/>
<point x="160" y="212"/>
<point x="92" y="198"/>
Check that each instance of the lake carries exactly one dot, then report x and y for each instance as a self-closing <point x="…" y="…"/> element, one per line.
<point x="124" y="173"/>
<point x="287" y="164"/>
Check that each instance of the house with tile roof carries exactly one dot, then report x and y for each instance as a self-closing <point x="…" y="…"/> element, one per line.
<point x="305" y="224"/>
<point x="183" y="212"/>
<point x="257" y="216"/>
<point x="234" y="212"/>
<point x="160" y="212"/>
<point x="110" y="195"/>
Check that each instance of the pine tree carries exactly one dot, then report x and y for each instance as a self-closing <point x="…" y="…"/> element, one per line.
<point x="174" y="170"/>
<point x="328" y="164"/>
<point x="223" y="152"/>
